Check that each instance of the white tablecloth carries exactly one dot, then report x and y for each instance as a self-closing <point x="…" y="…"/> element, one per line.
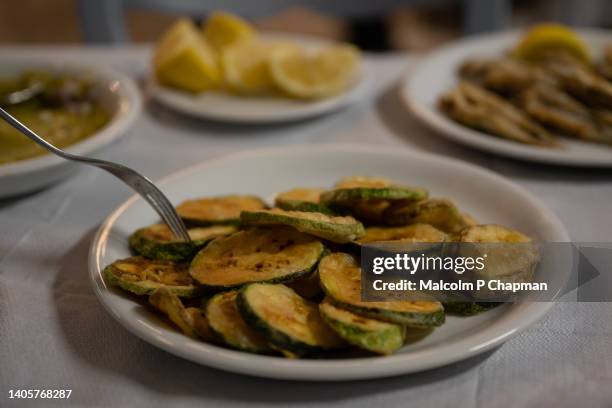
<point x="55" y="334"/>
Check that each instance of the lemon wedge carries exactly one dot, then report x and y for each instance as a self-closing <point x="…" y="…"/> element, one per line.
<point x="307" y="75"/>
<point x="545" y="39"/>
<point x="246" y="66"/>
<point x="183" y="59"/>
<point x="224" y="29"/>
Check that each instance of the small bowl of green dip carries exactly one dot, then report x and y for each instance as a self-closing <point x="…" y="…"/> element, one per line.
<point x="77" y="108"/>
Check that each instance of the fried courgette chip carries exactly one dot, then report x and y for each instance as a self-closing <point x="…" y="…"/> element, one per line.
<point x="414" y="233"/>
<point x="367" y="198"/>
<point x="142" y="276"/>
<point x="223" y="210"/>
<point x="332" y="228"/>
<point x="190" y="320"/>
<point x="370" y="334"/>
<point x="256" y="255"/>
<point x="340" y="276"/>
<point x="511" y="256"/>
<point x="228" y="325"/>
<point x="158" y="242"/>
<point x="287" y="320"/>
<point x="307" y="286"/>
<point x="302" y="199"/>
<point x="437" y="212"/>
<point x="358" y="189"/>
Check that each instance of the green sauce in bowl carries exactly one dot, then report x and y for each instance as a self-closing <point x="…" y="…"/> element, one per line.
<point x="63" y="114"/>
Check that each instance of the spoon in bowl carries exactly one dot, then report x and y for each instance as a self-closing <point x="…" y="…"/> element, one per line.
<point x="22" y="95"/>
<point x="139" y="183"/>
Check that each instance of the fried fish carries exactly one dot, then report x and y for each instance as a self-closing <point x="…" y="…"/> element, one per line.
<point x="478" y="108"/>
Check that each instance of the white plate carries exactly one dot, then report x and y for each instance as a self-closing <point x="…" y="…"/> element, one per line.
<point x="227" y="107"/>
<point x="437" y="74"/>
<point x="116" y="93"/>
<point x="486" y="195"/>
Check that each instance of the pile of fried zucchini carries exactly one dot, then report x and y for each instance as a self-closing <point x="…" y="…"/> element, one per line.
<point x="286" y="280"/>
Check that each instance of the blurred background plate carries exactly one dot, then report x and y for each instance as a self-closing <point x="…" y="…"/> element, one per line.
<point x="234" y="108"/>
<point x="116" y="93"/>
<point x="437" y="74"/>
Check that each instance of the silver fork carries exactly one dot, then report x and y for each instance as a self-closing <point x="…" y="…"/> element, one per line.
<point x="138" y="182"/>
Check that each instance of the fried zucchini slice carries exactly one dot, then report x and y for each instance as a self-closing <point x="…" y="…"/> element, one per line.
<point x="307" y="286"/>
<point x="256" y="255"/>
<point x="158" y="242"/>
<point x="370" y="334"/>
<point x="190" y="320"/>
<point x="414" y="233"/>
<point x="368" y="211"/>
<point x="340" y="277"/>
<point x="287" y="320"/>
<point x="227" y="324"/>
<point x="142" y="276"/>
<point x="355" y="189"/>
<point x="439" y="212"/>
<point x="223" y="210"/>
<point x="302" y="199"/>
<point x="335" y="229"/>
<point x="511" y="256"/>
<point x="491" y="233"/>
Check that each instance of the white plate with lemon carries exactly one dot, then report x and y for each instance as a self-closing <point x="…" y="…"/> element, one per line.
<point x="437" y="74"/>
<point x="226" y="71"/>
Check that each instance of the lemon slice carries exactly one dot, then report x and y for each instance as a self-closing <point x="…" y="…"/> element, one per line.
<point x="224" y="29"/>
<point x="545" y="39"/>
<point x="246" y="66"/>
<point x="314" y="75"/>
<point x="184" y="60"/>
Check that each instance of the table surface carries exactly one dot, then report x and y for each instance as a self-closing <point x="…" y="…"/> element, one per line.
<point x="55" y="334"/>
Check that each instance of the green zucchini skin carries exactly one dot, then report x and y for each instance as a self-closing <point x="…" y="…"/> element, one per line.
<point x="369" y="334"/>
<point x="146" y="245"/>
<point x="366" y="198"/>
<point x="319" y="225"/>
<point x="113" y="275"/>
<point x="417" y="320"/>
<point x="342" y="196"/>
<point x="302" y="199"/>
<point x="340" y="277"/>
<point x="227" y="324"/>
<point x="214" y="269"/>
<point x="169" y="251"/>
<point x="278" y="337"/>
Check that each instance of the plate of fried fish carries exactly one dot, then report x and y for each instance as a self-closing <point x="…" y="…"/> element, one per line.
<point x="543" y="95"/>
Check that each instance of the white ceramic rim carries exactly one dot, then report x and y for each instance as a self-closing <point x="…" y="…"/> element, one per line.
<point x="129" y="108"/>
<point x="454" y="131"/>
<point x="170" y="100"/>
<point x="326" y="370"/>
